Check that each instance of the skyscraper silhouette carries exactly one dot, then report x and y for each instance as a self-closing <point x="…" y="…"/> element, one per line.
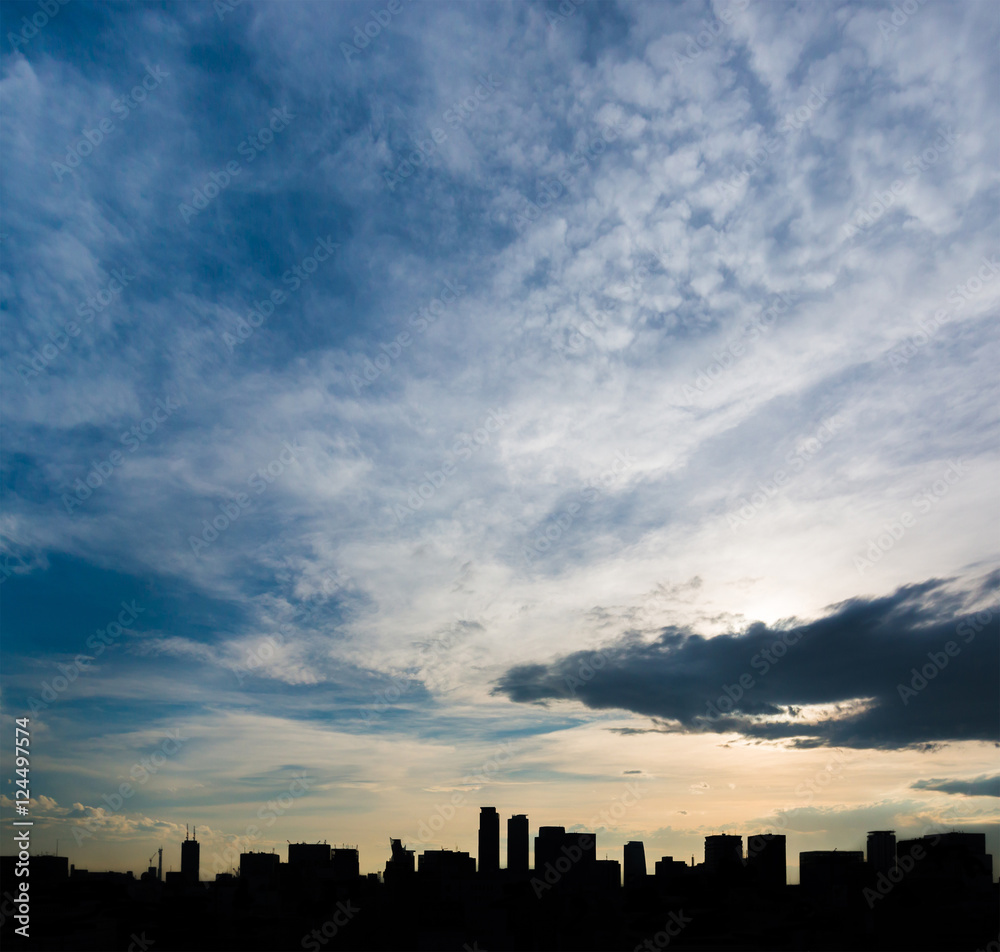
<point x="517" y="843"/>
<point x="489" y="841"/>
<point x="766" y="859"/>
<point x="191" y="861"/>
<point x="882" y="851"/>
<point x="635" y="863"/>
<point x="723" y="854"/>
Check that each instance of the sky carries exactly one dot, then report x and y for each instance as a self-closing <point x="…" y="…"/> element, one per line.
<point x="584" y="409"/>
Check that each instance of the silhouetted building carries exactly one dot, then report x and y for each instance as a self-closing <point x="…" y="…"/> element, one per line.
<point x="260" y="869"/>
<point x="832" y="872"/>
<point x="489" y="841"/>
<point x="46" y="868"/>
<point x="345" y="863"/>
<point x="303" y="857"/>
<point x="766" y="861"/>
<point x="191" y="862"/>
<point x="882" y="851"/>
<point x="446" y="864"/>
<point x="670" y="873"/>
<point x="607" y="876"/>
<point x="569" y="858"/>
<point x="400" y="867"/>
<point x="635" y="863"/>
<point x="723" y="854"/>
<point x="547" y="845"/>
<point x="517" y="843"/>
<point x="957" y="862"/>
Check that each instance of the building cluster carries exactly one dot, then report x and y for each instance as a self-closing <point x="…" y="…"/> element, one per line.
<point x="555" y="892"/>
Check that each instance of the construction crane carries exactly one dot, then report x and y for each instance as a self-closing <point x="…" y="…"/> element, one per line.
<point x="159" y="870"/>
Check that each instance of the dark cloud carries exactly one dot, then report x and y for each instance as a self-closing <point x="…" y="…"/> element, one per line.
<point x="913" y="669"/>
<point x="981" y="786"/>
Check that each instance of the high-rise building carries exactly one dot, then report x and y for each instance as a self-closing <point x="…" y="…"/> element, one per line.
<point x="565" y="858"/>
<point x="834" y="873"/>
<point x="489" y="841"/>
<point x="191" y="861"/>
<point x="308" y="856"/>
<point x="259" y="869"/>
<point x="635" y="863"/>
<point x="517" y="843"/>
<point x="882" y="851"/>
<point x="766" y="860"/>
<point x="445" y="864"/>
<point x="547" y="845"/>
<point x="345" y="863"/>
<point x="400" y="868"/>
<point x="671" y="873"/>
<point x="723" y="854"/>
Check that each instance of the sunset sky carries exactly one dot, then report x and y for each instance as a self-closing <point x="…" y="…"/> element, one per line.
<point x="416" y="406"/>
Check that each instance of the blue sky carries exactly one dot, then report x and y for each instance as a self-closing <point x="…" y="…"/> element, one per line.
<point x="379" y="386"/>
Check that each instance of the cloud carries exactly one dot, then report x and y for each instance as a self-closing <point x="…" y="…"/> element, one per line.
<point x="982" y="786"/>
<point x="900" y="671"/>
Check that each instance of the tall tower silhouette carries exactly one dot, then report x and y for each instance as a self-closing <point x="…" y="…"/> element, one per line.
<point x="191" y="860"/>
<point x="882" y="851"/>
<point x="489" y="841"/>
<point x="517" y="843"/>
<point x="635" y="863"/>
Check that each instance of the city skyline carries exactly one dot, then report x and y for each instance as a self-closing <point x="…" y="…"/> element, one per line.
<point x="582" y="408"/>
<point x="213" y="864"/>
